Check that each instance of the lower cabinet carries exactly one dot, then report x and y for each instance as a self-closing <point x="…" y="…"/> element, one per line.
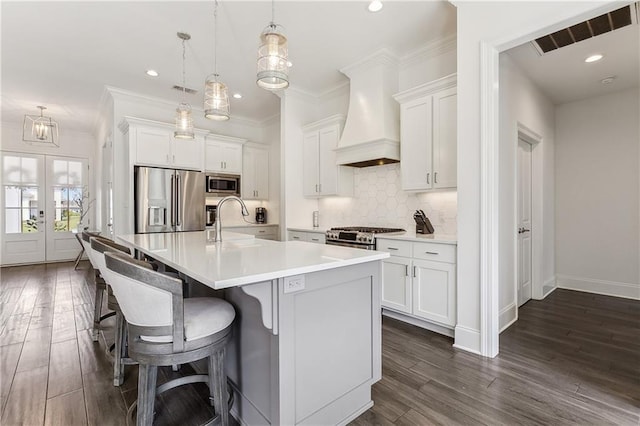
<point x="310" y="237"/>
<point x="418" y="288"/>
<point x="264" y="232"/>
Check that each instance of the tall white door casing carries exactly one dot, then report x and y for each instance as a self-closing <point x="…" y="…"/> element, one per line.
<point x="524" y="223"/>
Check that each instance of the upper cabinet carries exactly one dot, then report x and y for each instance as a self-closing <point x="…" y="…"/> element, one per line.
<point x="223" y="154"/>
<point x="152" y="144"/>
<point x="321" y="176"/>
<point x="428" y="135"/>
<point x="255" y="173"/>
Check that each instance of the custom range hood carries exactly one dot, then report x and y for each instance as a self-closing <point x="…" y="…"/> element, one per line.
<point x="371" y="134"/>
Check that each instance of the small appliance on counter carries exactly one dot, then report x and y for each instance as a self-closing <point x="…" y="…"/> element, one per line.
<point x="261" y="215"/>
<point x="423" y="224"/>
<point x="210" y="215"/>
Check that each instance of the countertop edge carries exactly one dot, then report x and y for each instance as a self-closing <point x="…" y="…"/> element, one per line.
<point x="451" y="240"/>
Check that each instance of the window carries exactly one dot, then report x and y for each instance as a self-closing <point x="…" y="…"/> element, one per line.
<point x="68" y="194"/>
<point x="20" y="193"/>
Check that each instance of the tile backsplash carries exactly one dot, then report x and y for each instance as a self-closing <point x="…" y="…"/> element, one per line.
<point x="380" y="201"/>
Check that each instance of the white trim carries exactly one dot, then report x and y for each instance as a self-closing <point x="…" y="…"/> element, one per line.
<point x="551" y="282"/>
<point x="489" y="201"/>
<point x="410" y="319"/>
<point x="467" y="339"/>
<point x="608" y="288"/>
<point x="508" y="315"/>
<point x="429" y="51"/>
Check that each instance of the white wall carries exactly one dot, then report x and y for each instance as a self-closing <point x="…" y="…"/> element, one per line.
<point x="521" y="102"/>
<point x="503" y="24"/>
<point x="597" y="190"/>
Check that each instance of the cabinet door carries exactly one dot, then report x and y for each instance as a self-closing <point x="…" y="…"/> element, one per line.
<point x="223" y="157"/>
<point x="262" y="174"/>
<point x="434" y="291"/>
<point x="310" y="163"/>
<point x="396" y="284"/>
<point x="416" y="146"/>
<point x="187" y="154"/>
<point x="153" y="147"/>
<point x="445" y="139"/>
<point x="328" y="170"/>
<point x="249" y="178"/>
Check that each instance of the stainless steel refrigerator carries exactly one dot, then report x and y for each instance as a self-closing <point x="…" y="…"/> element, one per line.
<point x="168" y="200"/>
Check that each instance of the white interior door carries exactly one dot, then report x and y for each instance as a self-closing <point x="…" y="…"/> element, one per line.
<point x="524" y="221"/>
<point x="67" y="199"/>
<point x="23" y="208"/>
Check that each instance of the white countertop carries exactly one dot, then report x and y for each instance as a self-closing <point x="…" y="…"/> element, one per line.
<point x="241" y="259"/>
<point x="412" y="236"/>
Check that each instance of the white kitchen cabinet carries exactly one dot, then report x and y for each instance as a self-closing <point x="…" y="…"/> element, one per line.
<point x="264" y="232"/>
<point x="419" y="282"/>
<point x="255" y="173"/>
<point x="321" y="175"/>
<point x="223" y="154"/>
<point x="310" y="237"/>
<point x="428" y="135"/>
<point x="156" y="146"/>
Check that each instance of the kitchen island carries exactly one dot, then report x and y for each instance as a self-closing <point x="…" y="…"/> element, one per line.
<point x="307" y="338"/>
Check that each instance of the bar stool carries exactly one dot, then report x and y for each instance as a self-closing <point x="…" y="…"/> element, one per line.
<point x="101" y="287"/>
<point x="166" y="329"/>
<point x="99" y="246"/>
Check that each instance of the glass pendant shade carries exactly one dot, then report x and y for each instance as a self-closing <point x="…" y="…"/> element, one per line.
<point x="184" y="122"/>
<point x="273" y="68"/>
<point x="216" y="99"/>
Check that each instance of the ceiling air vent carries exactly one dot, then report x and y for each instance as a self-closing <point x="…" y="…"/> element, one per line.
<point x="186" y="89"/>
<point x="593" y="27"/>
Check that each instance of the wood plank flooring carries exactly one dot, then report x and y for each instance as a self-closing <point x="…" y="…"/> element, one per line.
<point x="573" y="358"/>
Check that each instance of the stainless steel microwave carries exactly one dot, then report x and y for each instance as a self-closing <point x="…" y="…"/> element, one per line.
<point x="222" y="185"/>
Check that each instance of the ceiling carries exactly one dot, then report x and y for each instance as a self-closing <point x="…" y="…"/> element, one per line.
<point x="563" y="75"/>
<point x="62" y="54"/>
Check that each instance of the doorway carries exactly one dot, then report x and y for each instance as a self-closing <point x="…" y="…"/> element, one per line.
<point x="43" y="199"/>
<point x="524" y="258"/>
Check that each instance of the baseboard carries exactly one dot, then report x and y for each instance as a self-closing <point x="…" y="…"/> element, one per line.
<point x="507" y="316"/>
<point x="607" y="288"/>
<point x="551" y="284"/>
<point x="467" y="339"/>
<point x="436" y="328"/>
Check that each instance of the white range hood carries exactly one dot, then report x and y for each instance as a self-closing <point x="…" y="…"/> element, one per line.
<point x="371" y="134"/>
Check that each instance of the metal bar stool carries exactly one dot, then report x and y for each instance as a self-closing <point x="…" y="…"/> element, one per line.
<point x="101" y="287"/>
<point x="165" y="329"/>
<point x="98" y="246"/>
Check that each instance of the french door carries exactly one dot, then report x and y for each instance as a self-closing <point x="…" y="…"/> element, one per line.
<point x="42" y="200"/>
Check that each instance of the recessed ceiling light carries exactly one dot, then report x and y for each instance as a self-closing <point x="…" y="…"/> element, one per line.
<point x="375" y="6"/>
<point x="152" y="73"/>
<point x="608" y="80"/>
<point x="237" y="95"/>
<point x="593" y="58"/>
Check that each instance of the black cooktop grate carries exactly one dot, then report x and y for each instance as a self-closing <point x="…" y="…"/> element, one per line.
<point x="369" y="229"/>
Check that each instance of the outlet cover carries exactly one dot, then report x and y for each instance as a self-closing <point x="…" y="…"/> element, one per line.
<point x="294" y="283"/>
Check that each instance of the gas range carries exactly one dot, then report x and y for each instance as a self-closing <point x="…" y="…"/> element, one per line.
<point x="357" y="236"/>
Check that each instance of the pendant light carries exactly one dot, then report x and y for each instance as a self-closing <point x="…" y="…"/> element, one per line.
<point x="40" y="129"/>
<point x="216" y="94"/>
<point x="273" y="62"/>
<point x="184" y="121"/>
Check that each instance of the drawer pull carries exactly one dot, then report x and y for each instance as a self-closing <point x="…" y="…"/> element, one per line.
<point x="296" y="238"/>
<point x="262" y="232"/>
<point x="392" y="248"/>
<point x="432" y="252"/>
<point x="315" y="239"/>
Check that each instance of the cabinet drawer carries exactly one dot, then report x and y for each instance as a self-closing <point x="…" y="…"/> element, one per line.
<point x="314" y="237"/>
<point x="258" y="231"/>
<point x="435" y="252"/>
<point x="395" y="247"/>
<point x="297" y="236"/>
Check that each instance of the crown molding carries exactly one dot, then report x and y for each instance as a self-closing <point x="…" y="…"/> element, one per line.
<point x="430" y="50"/>
<point x="275" y="118"/>
<point x="382" y="57"/>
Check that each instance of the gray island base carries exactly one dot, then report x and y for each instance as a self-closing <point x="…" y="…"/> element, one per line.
<point x="306" y="347"/>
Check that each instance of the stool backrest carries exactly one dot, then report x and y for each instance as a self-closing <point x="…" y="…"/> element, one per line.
<point x="86" y="242"/>
<point x="150" y="301"/>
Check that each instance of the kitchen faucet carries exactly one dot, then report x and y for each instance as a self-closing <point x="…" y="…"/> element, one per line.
<point x="245" y="212"/>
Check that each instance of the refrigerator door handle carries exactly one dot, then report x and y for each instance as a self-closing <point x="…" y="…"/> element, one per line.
<point x="178" y="208"/>
<point x="173" y="204"/>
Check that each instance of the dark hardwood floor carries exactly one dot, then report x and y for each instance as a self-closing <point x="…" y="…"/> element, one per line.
<point x="573" y="358"/>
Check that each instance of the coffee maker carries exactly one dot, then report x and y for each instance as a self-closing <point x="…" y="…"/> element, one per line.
<point x="261" y="215"/>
